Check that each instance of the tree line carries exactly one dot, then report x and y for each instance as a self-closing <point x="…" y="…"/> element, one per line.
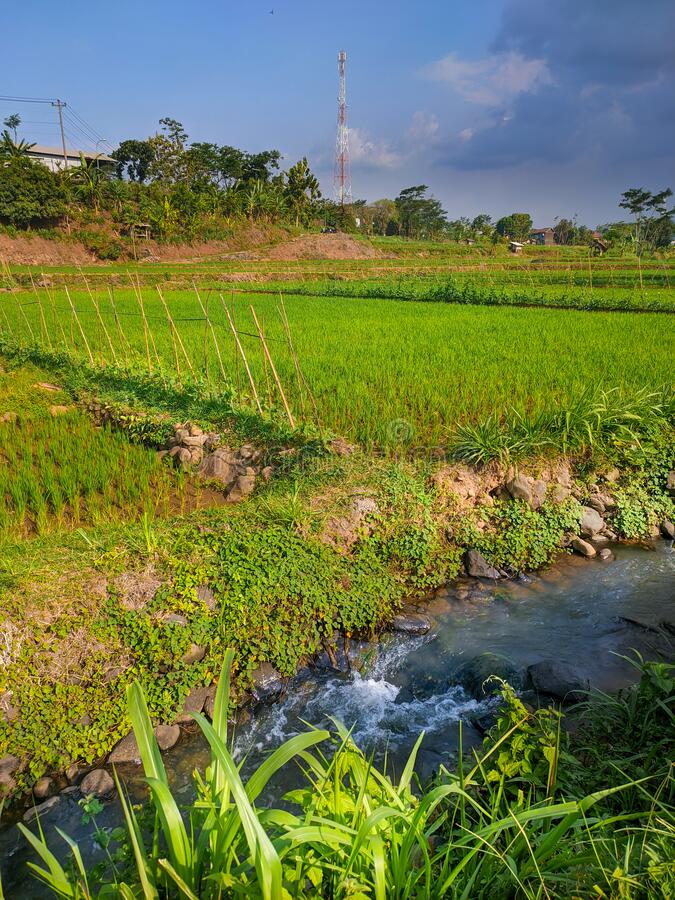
<point x="187" y="190"/>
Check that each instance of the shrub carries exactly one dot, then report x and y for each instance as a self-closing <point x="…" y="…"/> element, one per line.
<point x="29" y="193"/>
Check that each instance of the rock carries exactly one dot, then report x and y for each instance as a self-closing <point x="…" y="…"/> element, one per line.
<point x="596" y="503"/>
<point x="558" y="679"/>
<point x="196" y="456"/>
<point x="583" y="547"/>
<point x="43" y="788"/>
<point x="195" y="431"/>
<point x="478" y="567"/>
<point x="268" y="683"/>
<point x="345" y="530"/>
<point x="125" y="751"/>
<point x="606" y="554"/>
<point x="243" y="486"/>
<point x="59" y="410"/>
<point x="176" y="619"/>
<point x="194" y="703"/>
<point x="522" y="487"/>
<point x="72" y="772"/>
<point x="474" y="673"/>
<point x="97" y="783"/>
<point x="8" y="765"/>
<point x="670" y="483"/>
<point x="610" y="535"/>
<point x="46" y="386"/>
<point x="209" y="703"/>
<point x="411" y="623"/>
<point x="8" y="712"/>
<point x="217" y="467"/>
<point x="40" y="810"/>
<point x="592" y="522"/>
<point x="341" y="447"/>
<point x="206" y="595"/>
<point x="668" y="530"/>
<point x="612" y="475"/>
<point x="266" y="473"/>
<point x="559" y="493"/>
<point x="181" y="457"/>
<point x="195" y="441"/>
<point x="167" y="736"/>
<point x="194" y="655"/>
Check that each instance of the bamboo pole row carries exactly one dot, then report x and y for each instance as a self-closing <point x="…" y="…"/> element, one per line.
<point x="121" y="349"/>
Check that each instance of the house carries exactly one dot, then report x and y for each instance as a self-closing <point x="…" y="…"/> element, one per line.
<point x="54" y="159"/>
<point x="515" y="247"/>
<point x="543" y="236"/>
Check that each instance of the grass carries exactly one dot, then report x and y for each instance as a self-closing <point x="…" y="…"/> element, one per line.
<point x="59" y="471"/>
<point x="517" y="821"/>
<point x="369" y="363"/>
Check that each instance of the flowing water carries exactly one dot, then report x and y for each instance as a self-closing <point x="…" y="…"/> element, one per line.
<point x="586" y="614"/>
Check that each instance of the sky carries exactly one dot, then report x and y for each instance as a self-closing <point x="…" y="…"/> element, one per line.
<point x="552" y="107"/>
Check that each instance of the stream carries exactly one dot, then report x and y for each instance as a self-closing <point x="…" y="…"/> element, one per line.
<point x="587" y="614"/>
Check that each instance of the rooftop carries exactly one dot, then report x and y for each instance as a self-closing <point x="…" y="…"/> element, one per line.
<point x="41" y="150"/>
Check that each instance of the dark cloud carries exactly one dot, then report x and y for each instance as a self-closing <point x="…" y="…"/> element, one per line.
<point x="611" y="93"/>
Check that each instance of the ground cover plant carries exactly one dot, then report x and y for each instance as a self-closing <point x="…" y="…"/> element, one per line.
<point x="527" y="817"/>
<point x="361" y="366"/>
<point x="59" y="471"/>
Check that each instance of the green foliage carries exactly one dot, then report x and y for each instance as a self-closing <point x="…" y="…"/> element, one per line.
<point x="517" y="226"/>
<point x="420" y="216"/>
<point x="519" y="538"/>
<point x="506" y="826"/>
<point x="29" y="193"/>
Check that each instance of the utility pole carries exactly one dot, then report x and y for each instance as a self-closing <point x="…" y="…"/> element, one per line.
<point x="59" y="105"/>
<point x="342" y="179"/>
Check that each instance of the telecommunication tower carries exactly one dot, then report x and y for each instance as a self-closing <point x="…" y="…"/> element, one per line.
<point x="342" y="179"/>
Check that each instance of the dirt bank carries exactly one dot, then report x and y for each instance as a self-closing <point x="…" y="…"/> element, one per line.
<point x="323" y="246"/>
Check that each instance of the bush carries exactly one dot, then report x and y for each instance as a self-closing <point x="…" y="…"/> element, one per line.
<point x="29" y="193"/>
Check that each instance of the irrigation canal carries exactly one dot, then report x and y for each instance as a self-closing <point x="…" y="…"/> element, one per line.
<point x="586" y="614"/>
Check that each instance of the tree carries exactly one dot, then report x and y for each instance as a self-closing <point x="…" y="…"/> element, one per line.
<point x="12" y="123"/>
<point x="29" y="193"/>
<point x="653" y="225"/>
<point x="420" y="216"/>
<point x="10" y="149"/>
<point x="302" y="191"/>
<point x="169" y="163"/>
<point x="565" y="232"/>
<point x="88" y="180"/>
<point x="385" y="216"/>
<point x="517" y="226"/>
<point x="133" y="160"/>
<point x="482" y="225"/>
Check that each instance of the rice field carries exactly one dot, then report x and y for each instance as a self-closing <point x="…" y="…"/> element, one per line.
<point x="363" y="367"/>
<point x="57" y="470"/>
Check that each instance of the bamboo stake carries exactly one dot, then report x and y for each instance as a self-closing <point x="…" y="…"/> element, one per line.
<point x="123" y="337"/>
<point x="139" y="291"/>
<point x="205" y="310"/>
<point x="236" y="355"/>
<point x="84" y="336"/>
<point x="55" y="314"/>
<point x="9" y="327"/>
<point x="274" y="371"/>
<point x="30" y="330"/>
<point x="176" y="332"/>
<point x="139" y="300"/>
<point x="243" y="355"/>
<point x="100" y="319"/>
<point x="43" y="322"/>
<point x="302" y="381"/>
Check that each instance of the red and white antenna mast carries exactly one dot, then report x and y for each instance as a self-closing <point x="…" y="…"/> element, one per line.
<point x="342" y="179"/>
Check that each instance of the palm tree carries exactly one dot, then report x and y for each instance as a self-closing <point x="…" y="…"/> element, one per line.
<point x="11" y="149"/>
<point x="12" y="123"/>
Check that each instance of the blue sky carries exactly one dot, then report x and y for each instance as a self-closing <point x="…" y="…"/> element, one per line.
<point x="553" y="107"/>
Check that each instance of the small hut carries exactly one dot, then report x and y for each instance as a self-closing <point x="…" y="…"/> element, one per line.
<point x="515" y="247"/>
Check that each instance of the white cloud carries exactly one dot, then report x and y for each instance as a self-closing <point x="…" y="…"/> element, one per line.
<point x="366" y="151"/>
<point x="466" y="134"/>
<point x="493" y="80"/>
<point x="424" y="127"/>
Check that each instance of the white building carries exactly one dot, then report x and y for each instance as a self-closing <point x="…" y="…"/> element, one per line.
<point x="53" y="158"/>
